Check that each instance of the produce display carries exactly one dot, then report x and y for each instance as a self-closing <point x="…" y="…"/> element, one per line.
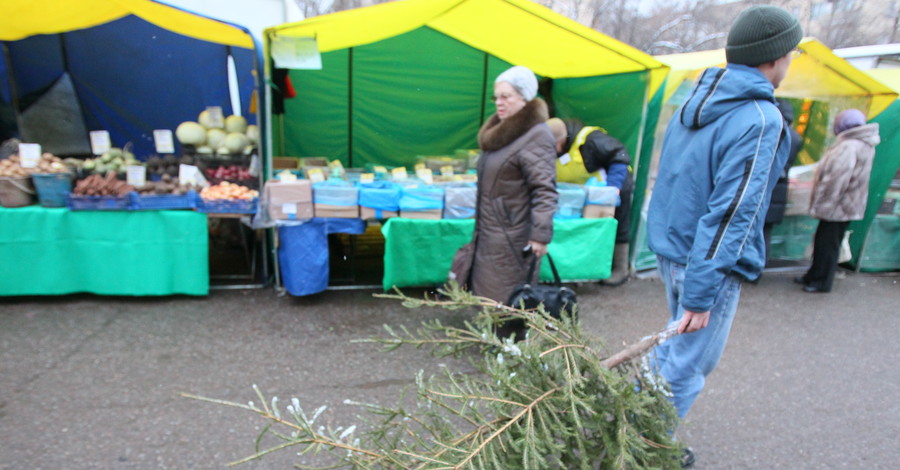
<point x="97" y="185"/>
<point x="233" y="173"/>
<point x="166" y="185"/>
<point x="233" y="137"/>
<point x="115" y="159"/>
<point x="228" y="191"/>
<point x="49" y="163"/>
<point x="159" y="167"/>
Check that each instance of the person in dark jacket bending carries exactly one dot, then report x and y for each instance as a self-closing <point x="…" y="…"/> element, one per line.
<point x="582" y="152"/>
<point x="778" y="202"/>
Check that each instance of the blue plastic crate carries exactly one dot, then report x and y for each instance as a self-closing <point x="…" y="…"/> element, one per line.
<point x="228" y="206"/>
<point x="97" y="203"/>
<point x="163" y="201"/>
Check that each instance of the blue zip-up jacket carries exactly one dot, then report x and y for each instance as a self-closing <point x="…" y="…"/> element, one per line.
<point x="720" y="160"/>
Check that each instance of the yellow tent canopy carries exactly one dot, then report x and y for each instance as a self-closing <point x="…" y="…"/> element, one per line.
<point x="890" y="77"/>
<point x="530" y="35"/>
<point x="817" y="73"/>
<point x="24" y="18"/>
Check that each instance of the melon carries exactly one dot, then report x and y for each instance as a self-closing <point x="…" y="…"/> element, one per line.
<point x="190" y="133"/>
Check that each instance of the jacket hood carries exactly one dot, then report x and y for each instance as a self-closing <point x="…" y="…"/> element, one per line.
<point x="867" y="133"/>
<point x="720" y="90"/>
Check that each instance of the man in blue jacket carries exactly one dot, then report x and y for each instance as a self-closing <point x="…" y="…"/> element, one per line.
<point x="722" y="154"/>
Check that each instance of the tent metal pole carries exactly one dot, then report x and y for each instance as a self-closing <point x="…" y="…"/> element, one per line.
<point x="350" y="107"/>
<point x="484" y="78"/>
<point x="13" y="89"/>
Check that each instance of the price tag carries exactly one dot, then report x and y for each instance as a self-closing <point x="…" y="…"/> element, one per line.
<point x="367" y="178"/>
<point x="254" y="165"/>
<point x="29" y="155"/>
<point x="315" y="175"/>
<point x="380" y="169"/>
<point x="399" y="173"/>
<point x="425" y="175"/>
<point x="564" y="159"/>
<point x="100" y="142"/>
<point x="163" y="140"/>
<point x="190" y="174"/>
<point x="419" y="166"/>
<point x="136" y="175"/>
<point x="289" y="209"/>
<point x="447" y="170"/>
<point x="216" y="118"/>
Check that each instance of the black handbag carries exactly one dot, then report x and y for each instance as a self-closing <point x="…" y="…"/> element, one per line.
<point x="558" y="300"/>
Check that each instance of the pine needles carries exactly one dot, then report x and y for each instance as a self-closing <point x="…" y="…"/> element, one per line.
<point x="552" y="401"/>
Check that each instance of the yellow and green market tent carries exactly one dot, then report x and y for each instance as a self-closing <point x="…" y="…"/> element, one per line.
<point x="414" y="77"/>
<point x="817" y="74"/>
<point x="875" y="241"/>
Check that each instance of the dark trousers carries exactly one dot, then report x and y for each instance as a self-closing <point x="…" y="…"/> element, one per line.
<point x="826" y="250"/>
<point x="623" y="211"/>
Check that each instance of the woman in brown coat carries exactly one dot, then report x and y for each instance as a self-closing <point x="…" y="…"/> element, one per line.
<point x="516" y="189"/>
<point x="840" y="191"/>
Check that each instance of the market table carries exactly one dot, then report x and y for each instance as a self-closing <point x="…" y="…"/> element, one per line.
<point x="419" y="252"/>
<point x="54" y="251"/>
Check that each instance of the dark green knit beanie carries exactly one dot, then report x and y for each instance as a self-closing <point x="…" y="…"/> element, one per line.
<point x="762" y="34"/>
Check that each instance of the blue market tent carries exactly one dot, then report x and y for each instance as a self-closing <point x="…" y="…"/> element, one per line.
<point x="125" y="66"/>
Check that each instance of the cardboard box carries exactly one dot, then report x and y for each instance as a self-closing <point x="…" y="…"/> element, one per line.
<point x="597" y="211"/>
<point x="289" y="200"/>
<point x="426" y="214"/>
<point x="340" y="212"/>
<point x="285" y="163"/>
<point x="367" y="213"/>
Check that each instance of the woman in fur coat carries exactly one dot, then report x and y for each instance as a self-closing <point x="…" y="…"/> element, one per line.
<point x="840" y="191"/>
<point x="516" y="190"/>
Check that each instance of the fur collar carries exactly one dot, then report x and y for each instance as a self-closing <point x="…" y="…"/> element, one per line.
<point x="496" y="134"/>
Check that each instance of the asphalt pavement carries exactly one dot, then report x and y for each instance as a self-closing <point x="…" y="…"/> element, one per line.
<point x="808" y="381"/>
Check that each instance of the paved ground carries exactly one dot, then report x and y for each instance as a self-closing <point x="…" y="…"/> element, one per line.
<point x="809" y="381"/>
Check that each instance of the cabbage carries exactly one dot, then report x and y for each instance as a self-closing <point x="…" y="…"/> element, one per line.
<point x="190" y="133"/>
<point x="235" y="123"/>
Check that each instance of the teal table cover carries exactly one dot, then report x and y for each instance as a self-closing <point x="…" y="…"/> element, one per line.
<point x="418" y="252"/>
<point x="55" y="251"/>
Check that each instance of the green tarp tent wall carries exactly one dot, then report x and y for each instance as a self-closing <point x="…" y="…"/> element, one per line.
<point x="877" y="248"/>
<point x="414" y="77"/>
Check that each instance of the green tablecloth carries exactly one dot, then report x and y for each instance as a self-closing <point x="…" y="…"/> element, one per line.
<point x="57" y="251"/>
<point x="419" y="252"/>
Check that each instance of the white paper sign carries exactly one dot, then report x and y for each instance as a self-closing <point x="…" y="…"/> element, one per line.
<point x="296" y="53"/>
<point x="315" y="175"/>
<point x="216" y="118"/>
<point x="254" y="165"/>
<point x="29" y="155"/>
<point x="100" y="142"/>
<point x="136" y="175"/>
<point x="289" y="209"/>
<point x="425" y="175"/>
<point x="163" y="140"/>
<point x="190" y="174"/>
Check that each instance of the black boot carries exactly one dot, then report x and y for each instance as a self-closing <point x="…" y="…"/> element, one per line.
<point x="620" y="268"/>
